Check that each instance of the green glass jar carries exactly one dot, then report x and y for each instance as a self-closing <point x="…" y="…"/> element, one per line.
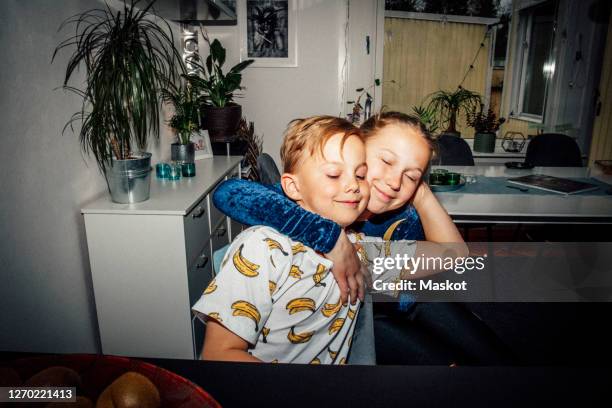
<point x="453" y="179"/>
<point x="438" y="179"/>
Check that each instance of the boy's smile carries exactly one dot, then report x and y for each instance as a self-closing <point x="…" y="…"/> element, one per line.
<point x="334" y="184"/>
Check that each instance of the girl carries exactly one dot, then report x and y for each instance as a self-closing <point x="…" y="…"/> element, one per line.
<point x="398" y="152"/>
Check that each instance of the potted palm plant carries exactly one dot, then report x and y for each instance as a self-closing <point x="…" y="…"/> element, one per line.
<point x="220" y="114"/>
<point x="184" y="121"/>
<point x="128" y="58"/>
<point x="485" y="126"/>
<point x="428" y="118"/>
<point x="449" y="105"/>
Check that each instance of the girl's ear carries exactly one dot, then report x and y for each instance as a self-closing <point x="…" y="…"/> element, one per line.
<point x="291" y="186"/>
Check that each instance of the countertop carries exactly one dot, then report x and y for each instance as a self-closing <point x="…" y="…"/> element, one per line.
<point x="171" y="197"/>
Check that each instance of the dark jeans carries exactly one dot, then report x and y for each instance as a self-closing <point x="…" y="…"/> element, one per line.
<point x="435" y="334"/>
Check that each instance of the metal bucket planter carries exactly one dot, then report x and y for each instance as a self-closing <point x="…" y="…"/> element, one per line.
<point x="129" y="181"/>
<point x="222" y="123"/>
<point x="484" y="142"/>
<point x="182" y="152"/>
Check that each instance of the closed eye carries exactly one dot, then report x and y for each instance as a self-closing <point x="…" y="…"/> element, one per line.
<point x="332" y="176"/>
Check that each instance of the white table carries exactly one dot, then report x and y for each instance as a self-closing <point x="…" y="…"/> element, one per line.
<point x="524" y="208"/>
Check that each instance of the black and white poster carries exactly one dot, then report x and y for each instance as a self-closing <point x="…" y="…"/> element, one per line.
<point x="268" y="30"/>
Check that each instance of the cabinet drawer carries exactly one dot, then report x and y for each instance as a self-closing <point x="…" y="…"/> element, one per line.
<point x="199" y="275"/>
<point x="215" y="214"/>
<point x="220" y="236"/>
<point x="197" y="231"/>
<point x="236" y="228"/>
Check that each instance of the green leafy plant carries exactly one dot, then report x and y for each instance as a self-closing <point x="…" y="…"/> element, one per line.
<point x="428" y="118"/>
<point x="449" y="105"/>
<point x="128" y="59"/>
<point x="185" y="119"/>
<point x="484" y="122"/>
<point x="218" y="89"/>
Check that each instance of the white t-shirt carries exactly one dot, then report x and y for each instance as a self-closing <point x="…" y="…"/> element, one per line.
<point x="280" y="297"/>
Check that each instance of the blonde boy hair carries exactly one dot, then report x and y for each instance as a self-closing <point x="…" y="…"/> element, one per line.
<point x="309" y="134"/>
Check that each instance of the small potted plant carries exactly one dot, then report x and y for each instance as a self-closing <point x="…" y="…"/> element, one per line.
<point x="355" y="116"/>
<point x="184" y="121"/>
<point x="449" y="105"/>
<point x="485" y="125"/>
<point x="128" y="58"/>
<point x="220" y="114"/>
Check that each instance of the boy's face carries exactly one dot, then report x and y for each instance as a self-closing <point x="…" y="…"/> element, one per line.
<point x="333" y="186"/>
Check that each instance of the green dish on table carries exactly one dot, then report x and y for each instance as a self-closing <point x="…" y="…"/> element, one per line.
<point x="442" y="188"/>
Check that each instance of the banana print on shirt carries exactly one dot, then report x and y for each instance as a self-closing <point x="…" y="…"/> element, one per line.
<point x="279" y="296"/>
<point x="243" y="265"/>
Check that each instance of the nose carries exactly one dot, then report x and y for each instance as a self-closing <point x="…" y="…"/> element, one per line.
<point x="352" y="185"/>
<point x="394" y="180"/>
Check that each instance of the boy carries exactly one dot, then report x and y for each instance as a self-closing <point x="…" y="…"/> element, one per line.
<point x="275" y="299"/>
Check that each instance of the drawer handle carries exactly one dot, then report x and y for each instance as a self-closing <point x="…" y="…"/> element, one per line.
<point x="203" y="261"/>
<point x="221" y="231"/>
<point x="198" y="212"/>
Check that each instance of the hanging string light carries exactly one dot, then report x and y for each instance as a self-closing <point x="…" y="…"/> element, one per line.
<point x="471" y="67"/>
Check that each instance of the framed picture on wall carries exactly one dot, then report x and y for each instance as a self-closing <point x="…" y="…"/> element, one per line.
<point x="268" y="32"/>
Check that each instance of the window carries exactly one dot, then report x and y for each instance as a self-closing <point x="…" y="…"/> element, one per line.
<point x="536" y="64"/>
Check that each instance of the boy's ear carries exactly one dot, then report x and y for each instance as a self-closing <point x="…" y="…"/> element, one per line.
<point x="291" y="186"/>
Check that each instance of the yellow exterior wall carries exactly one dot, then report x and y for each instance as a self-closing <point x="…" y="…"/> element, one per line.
<point x="601" y="144"/>
<point x="426" y="56"/>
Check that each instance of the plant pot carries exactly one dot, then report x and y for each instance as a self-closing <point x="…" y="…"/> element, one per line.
<point x="484" y="142"/>
<point x="221" y="123"/>
<point x="182" y="152"/>
<point x="129" y="181"/>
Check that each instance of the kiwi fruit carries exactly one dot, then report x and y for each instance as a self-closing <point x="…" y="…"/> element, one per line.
<point x="131" y="390"/>
<point x="56" y="376"/>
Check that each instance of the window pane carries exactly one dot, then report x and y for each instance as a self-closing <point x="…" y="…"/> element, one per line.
<point x="539" y="65"/>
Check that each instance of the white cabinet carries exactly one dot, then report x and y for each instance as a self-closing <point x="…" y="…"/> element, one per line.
<point x="151" y="261"/>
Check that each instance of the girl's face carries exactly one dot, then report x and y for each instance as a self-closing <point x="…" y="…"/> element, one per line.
<point x="397" y="156"/>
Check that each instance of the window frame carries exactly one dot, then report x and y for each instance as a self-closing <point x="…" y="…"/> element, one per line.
<point x="525" y="28"/>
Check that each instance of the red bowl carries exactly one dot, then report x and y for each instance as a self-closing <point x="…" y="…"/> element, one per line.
<point x="97" y="372"/>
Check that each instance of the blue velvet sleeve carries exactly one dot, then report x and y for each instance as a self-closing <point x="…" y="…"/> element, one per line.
<point x="252" y="203"/>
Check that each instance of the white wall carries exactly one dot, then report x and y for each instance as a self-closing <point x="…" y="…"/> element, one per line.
<point x="361" y="63"/>
<point x="46" y="297"/>
<point x="274" y="96"/>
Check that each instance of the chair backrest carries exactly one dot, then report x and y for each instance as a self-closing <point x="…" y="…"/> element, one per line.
<point x="554" y="150"/>
<point x="454" y="151"/>
<point x="267" y="169"/>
